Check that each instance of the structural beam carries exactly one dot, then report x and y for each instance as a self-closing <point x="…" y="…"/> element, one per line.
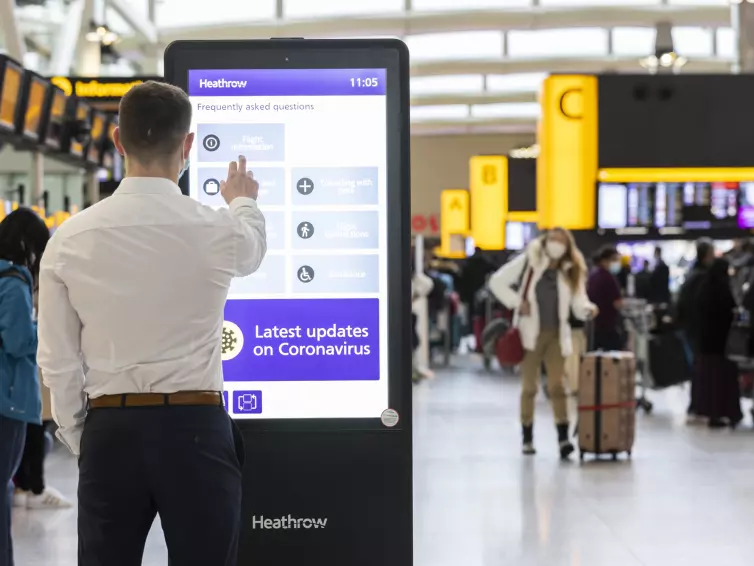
<point x="66" y="40"/>
<point x="11" y="31"/>
<point x="145" y="29"/>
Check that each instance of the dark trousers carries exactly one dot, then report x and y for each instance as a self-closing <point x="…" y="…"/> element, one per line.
<point x="607" y="339"/>
<point x="12" y="433"/>
<point x="30" y="473"/>
<point x="183" y="463"/>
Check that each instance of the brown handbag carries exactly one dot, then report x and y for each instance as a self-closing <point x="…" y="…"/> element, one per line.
<point x="509" y="349"/>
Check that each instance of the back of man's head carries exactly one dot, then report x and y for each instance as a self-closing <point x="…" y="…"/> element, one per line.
<point x="705" y="250"/>
<point x="154" y="123"/>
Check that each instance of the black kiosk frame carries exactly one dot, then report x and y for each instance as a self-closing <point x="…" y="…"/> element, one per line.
<point x="355" y="472"/>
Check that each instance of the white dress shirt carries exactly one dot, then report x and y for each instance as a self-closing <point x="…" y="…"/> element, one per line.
<point x="132" y="292"/>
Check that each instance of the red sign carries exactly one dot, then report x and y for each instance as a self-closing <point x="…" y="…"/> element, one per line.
<point x="423" y="223"/>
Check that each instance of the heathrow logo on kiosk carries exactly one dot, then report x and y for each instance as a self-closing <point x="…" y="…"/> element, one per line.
<point x="222" y="83"/>
<point x="289" y="522"/>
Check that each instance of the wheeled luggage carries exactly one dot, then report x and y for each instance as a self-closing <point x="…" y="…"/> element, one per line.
<point x="607" y="406"/>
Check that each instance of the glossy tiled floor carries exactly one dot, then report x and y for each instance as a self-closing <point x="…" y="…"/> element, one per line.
<point x="687" y="497"/>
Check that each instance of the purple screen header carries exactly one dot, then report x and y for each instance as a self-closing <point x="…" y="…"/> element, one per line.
<point x="286" y="82"/>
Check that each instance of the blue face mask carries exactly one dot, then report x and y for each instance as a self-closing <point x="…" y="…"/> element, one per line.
<point x="615" y="268"/>
<point x="186" y="163"/>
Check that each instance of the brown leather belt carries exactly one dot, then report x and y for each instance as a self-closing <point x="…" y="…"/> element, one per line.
<point x="185" y="398"/>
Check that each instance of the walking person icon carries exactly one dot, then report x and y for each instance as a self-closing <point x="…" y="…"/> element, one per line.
<point x="305" y="186"/>
<point x="305" y="230"/>
<point x="305" y="274"/>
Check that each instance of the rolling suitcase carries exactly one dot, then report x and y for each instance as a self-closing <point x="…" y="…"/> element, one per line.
<point x="607" y="404"/>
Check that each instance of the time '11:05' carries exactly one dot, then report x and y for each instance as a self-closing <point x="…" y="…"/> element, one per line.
<point x="368" y="82"/>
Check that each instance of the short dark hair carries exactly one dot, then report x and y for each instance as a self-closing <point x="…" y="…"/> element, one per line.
<point x="704" y="247"/>
<point x="605" y="253"/>
<point x="154" y="120"/>
<point x="23" y="238"/>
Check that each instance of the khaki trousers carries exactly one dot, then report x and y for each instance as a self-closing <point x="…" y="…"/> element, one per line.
<point x="547" y="350"/>
<point x="573" y="362"/>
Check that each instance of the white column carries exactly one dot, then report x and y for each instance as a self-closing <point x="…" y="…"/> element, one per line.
<point x="92" y="188"/>
<point x="88" y="55"/>
<point x="36" y="179"/>
<point x="11" y="31"/>
<point x="742" y="18"/>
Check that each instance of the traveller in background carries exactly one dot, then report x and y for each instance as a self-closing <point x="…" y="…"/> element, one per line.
<point x="689" y="318"/>
<point x="31" y="491"/>
<point x="421" y="287"/>
<point x="659" y="281"/>
<point x="134" y="289"/>
<point x="544" y="285"/>
<point x="604" y="291"/>
<point x="624" y="274"/>
<point x="643" y="281"/>
<point x="23" y="238"/>
<point x="474" y="275"/>
<point x="719" y="399"/>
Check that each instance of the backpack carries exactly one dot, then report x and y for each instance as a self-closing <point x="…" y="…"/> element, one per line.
<point x="436" y="297"/>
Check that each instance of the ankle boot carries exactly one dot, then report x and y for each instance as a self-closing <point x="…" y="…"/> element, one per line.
<point x="528" y="440"/>
<point x="566" y="448"/>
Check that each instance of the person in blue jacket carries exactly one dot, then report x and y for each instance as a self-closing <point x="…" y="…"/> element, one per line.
<point x="23" y="237"/>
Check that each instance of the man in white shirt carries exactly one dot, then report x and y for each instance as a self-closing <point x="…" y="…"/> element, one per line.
<point x="132" y="292"/>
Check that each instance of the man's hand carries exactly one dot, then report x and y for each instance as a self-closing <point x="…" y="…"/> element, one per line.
<point x="240" y="183"/>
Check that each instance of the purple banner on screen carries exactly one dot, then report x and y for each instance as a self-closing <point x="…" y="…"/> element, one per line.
<point x="746" y="217"/>
<point x="305" y="340"/>
<point x="286" y="82"/>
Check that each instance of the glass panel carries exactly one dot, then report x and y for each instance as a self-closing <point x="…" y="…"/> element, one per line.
<point x="507" y="110"/>
<point x="445" y="5"/>
<point x="726" y="43"/>
<point x="180" y="13"/>
<point x="525" y="82"/>
<point x="117" y="24"/>
<point x="634" y="41"/>
<point x="699" y="2"/>
<point x="446" y="84"/>
<point x="692" y="41"/>
<point x="557" y="42"/>
<point x="317" y="8"/>
<point x="452" y="112"/>
<point x="458" y="45"/>
<point x="597" y="2"/>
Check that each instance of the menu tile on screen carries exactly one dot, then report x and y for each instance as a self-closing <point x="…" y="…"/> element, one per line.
<point x="317" y="186"/>
<point x="225" y="142"/>
<point x="271" y="184"/>
<point x="336" y="230"/>
<point x="336" y="274"/>
<point x="269" y="279"/>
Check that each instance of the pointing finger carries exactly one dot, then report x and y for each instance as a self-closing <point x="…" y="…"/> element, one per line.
<point x="250" y="174"/>
<point x="232" y="168"/>
<point x="242" y="165"/>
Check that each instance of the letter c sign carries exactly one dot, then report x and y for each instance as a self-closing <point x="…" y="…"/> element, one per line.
<point x="572" y="110"/>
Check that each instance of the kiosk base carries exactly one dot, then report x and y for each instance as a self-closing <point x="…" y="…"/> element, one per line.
<point x="334" y="498"/>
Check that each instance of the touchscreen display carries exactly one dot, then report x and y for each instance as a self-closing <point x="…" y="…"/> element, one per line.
<point x="35" y="103"/>
<point x="9" y="97"/>
<point x="306" y="335"/>
<point x="98" y="130"/>
<point x="82" y="115"/>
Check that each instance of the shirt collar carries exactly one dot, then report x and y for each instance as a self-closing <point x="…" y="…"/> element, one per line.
<point x="147" y="186"/>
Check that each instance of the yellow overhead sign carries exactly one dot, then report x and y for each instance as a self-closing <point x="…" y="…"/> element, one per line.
<point x="567" y="166"/>
<point x="454" y="222"/>
<point x="94" y="88"/>
<point x="488" y="185"/>
<point x="677" y="175"/>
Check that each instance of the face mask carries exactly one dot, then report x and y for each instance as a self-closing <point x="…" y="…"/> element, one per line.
<point x="186" y="163"/>
<point x="555" y="250"/>
<point x="615" y="268"/>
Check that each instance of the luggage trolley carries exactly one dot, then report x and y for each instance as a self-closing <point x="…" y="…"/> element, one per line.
<point x="637" y="315"/>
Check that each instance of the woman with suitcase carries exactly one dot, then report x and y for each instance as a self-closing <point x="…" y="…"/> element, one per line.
<point x="543" y="286"/>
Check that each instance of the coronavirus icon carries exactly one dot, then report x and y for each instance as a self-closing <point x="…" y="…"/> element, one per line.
<point x="232" y="341"/>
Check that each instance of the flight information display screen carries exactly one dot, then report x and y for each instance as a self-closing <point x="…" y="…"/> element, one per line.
<point x="306" y="335"/>
<point x="686" y="206"/>
<point x="57" y="117"/>
<point x="10" y="96"/>
<point x="34" y="107"/>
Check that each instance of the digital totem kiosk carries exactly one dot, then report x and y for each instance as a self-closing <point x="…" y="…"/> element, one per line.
<point x="317" y="343"/>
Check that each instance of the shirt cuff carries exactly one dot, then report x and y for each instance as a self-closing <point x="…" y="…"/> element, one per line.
<point x="240" y="202"/>
<point x="71" y="438"/>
